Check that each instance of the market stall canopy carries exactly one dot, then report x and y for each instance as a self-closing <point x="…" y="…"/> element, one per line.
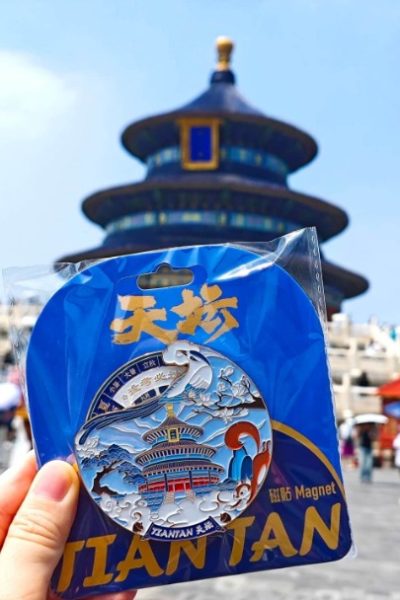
<point x="390" y="389"/>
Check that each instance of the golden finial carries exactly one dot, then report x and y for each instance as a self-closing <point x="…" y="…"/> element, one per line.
<point x="170" y="410"/>
<point x="224" y="47"/>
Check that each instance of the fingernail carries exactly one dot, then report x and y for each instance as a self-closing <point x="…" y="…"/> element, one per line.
<point x="53" y="481"/>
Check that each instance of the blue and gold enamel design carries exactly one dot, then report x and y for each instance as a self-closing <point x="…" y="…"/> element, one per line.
<point x="176" y="444"/>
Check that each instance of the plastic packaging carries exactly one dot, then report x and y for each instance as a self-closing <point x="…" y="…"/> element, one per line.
<point x="190" y="386"/>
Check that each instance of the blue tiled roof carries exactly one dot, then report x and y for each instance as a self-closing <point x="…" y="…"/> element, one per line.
<point x="240" y="121"/>
<point x="223" y="97"/>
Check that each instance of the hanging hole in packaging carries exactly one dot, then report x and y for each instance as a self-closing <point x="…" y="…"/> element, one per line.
<point x="165" y="277"/>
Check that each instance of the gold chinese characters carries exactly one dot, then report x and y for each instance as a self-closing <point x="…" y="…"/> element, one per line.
<point x="209" y="311"/>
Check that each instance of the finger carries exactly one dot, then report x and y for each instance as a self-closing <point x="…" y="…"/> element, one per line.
<point x="37" y="535"/>
<point x="14" y="485"/>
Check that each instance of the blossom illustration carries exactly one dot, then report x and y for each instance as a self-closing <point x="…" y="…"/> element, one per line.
<point x="226" y="414"/>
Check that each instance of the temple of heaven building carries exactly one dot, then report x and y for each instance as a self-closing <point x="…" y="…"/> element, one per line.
<point x="176" y="463"/>
<point x="217" y="171"/>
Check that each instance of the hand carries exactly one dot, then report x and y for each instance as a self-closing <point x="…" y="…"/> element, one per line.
<point x="36" y="513"/>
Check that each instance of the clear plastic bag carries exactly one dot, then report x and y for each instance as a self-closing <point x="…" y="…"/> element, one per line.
<point x="190" y="386"/>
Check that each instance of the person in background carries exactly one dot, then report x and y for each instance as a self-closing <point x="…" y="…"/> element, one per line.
<point x="10" y="394"/>
<point x="396" y="448"/>
<point x="21" y="412"/>
<point x="346" y="434"/>
<point x="366" y="437"/>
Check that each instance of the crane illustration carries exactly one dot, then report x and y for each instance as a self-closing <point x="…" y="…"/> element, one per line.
<point x="198" y="374"/>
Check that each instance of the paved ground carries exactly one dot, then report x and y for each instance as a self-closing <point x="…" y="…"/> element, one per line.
<point x="373" y="575"/>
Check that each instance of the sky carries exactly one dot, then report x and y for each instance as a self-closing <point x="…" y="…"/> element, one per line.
<point x="74" y="73"/>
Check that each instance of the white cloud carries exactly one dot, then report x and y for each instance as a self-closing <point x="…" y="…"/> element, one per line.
<point x="31" y="96"/>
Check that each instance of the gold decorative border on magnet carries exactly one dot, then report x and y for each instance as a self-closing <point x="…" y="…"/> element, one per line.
<point x="293" y="433"/>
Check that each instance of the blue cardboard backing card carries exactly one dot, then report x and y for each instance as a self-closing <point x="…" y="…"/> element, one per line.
<point x="199" y="417"/>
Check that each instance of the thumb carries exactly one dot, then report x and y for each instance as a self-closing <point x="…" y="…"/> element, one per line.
<point x="36" y="537"/>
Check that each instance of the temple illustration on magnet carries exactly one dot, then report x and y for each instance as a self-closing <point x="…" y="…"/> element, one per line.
<point x="187" y="463"/>
<point x="176" y="464"/>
